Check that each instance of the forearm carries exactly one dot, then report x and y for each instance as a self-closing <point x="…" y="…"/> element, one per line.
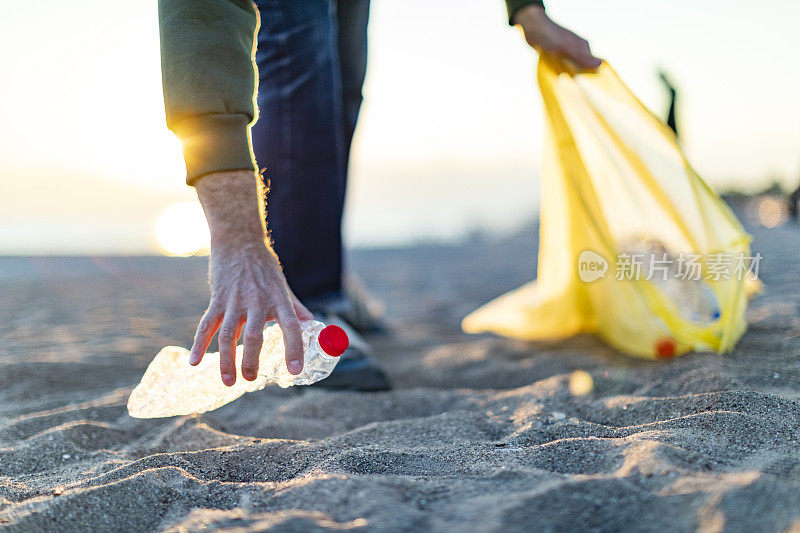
<point x="231" y="202"/>
<point x="209" y="80"/>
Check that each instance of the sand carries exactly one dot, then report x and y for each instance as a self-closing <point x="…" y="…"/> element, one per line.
<point x="480" y="434"/>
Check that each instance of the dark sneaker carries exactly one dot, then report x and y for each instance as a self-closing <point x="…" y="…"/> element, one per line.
<point x="356" y="370"/>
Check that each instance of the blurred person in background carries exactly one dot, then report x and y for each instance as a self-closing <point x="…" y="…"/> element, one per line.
<point x="673" y="100"/>
<point x="310" y="63"/>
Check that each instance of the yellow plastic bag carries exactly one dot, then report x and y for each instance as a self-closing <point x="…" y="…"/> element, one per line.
<point x="634" y="246"/>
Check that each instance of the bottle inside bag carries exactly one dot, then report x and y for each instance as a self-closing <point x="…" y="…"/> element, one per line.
<point x="677" y="276"/>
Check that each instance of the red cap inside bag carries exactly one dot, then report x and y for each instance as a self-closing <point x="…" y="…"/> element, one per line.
<point x="665" y="348"/>
<point x="333" y="340"/>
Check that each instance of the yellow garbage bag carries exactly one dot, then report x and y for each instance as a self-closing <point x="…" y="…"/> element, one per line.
<point x="633" y="245"/>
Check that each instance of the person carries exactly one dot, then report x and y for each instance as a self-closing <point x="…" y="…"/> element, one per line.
<point x="794" y="205"/>
<point x="310" y="64"/>
<point x="673" y="97"/>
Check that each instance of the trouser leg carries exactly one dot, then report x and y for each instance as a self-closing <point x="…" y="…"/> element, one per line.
<point x="298" y="140"/>
<point x="312" y="62"/>
<point x="353" y="18"/>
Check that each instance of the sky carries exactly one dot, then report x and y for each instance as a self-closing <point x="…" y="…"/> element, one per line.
<point x="449" y="142"/>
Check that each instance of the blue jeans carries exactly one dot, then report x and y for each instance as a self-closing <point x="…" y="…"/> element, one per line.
<point x="312" y="59"/>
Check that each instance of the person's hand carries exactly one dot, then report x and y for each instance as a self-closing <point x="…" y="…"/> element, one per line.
<point x="546" y="36"/>
<point x="247" y="285"/>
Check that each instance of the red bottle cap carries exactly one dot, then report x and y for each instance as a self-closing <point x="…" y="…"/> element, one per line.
<point x="333" y="340"/>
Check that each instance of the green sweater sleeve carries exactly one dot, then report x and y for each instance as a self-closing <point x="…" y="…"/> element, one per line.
<point x="209" y="81"/>
<point x="515" y="5"/>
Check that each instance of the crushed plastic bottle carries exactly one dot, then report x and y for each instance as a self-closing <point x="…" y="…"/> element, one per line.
<point x="171" y="387"/>
<point x="693" y="298"/>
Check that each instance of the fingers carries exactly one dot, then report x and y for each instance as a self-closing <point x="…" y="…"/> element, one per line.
<point x="292" y="338"/>
<point x="581" y="54"/>
<point x="253" y="340"/>
<point x="205" y="332"/>
<point x="302" y="313"/>
<point x="227" y="338"/>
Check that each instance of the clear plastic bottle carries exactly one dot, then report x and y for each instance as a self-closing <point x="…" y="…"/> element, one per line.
<point x="171" y="387"/>
<point x="694" y="299"/>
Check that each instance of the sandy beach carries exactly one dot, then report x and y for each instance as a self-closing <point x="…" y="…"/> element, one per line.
<point x="480" y="434"/>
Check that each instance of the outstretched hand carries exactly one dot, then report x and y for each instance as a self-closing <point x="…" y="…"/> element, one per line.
<point x="247" y="285"/>
<point x="546" y="36"/>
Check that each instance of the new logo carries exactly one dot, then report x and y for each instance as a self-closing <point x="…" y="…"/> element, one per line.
<point x="591" y="266"/>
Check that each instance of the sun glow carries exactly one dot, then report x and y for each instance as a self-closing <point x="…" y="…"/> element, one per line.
<point x="181" y="230"/>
